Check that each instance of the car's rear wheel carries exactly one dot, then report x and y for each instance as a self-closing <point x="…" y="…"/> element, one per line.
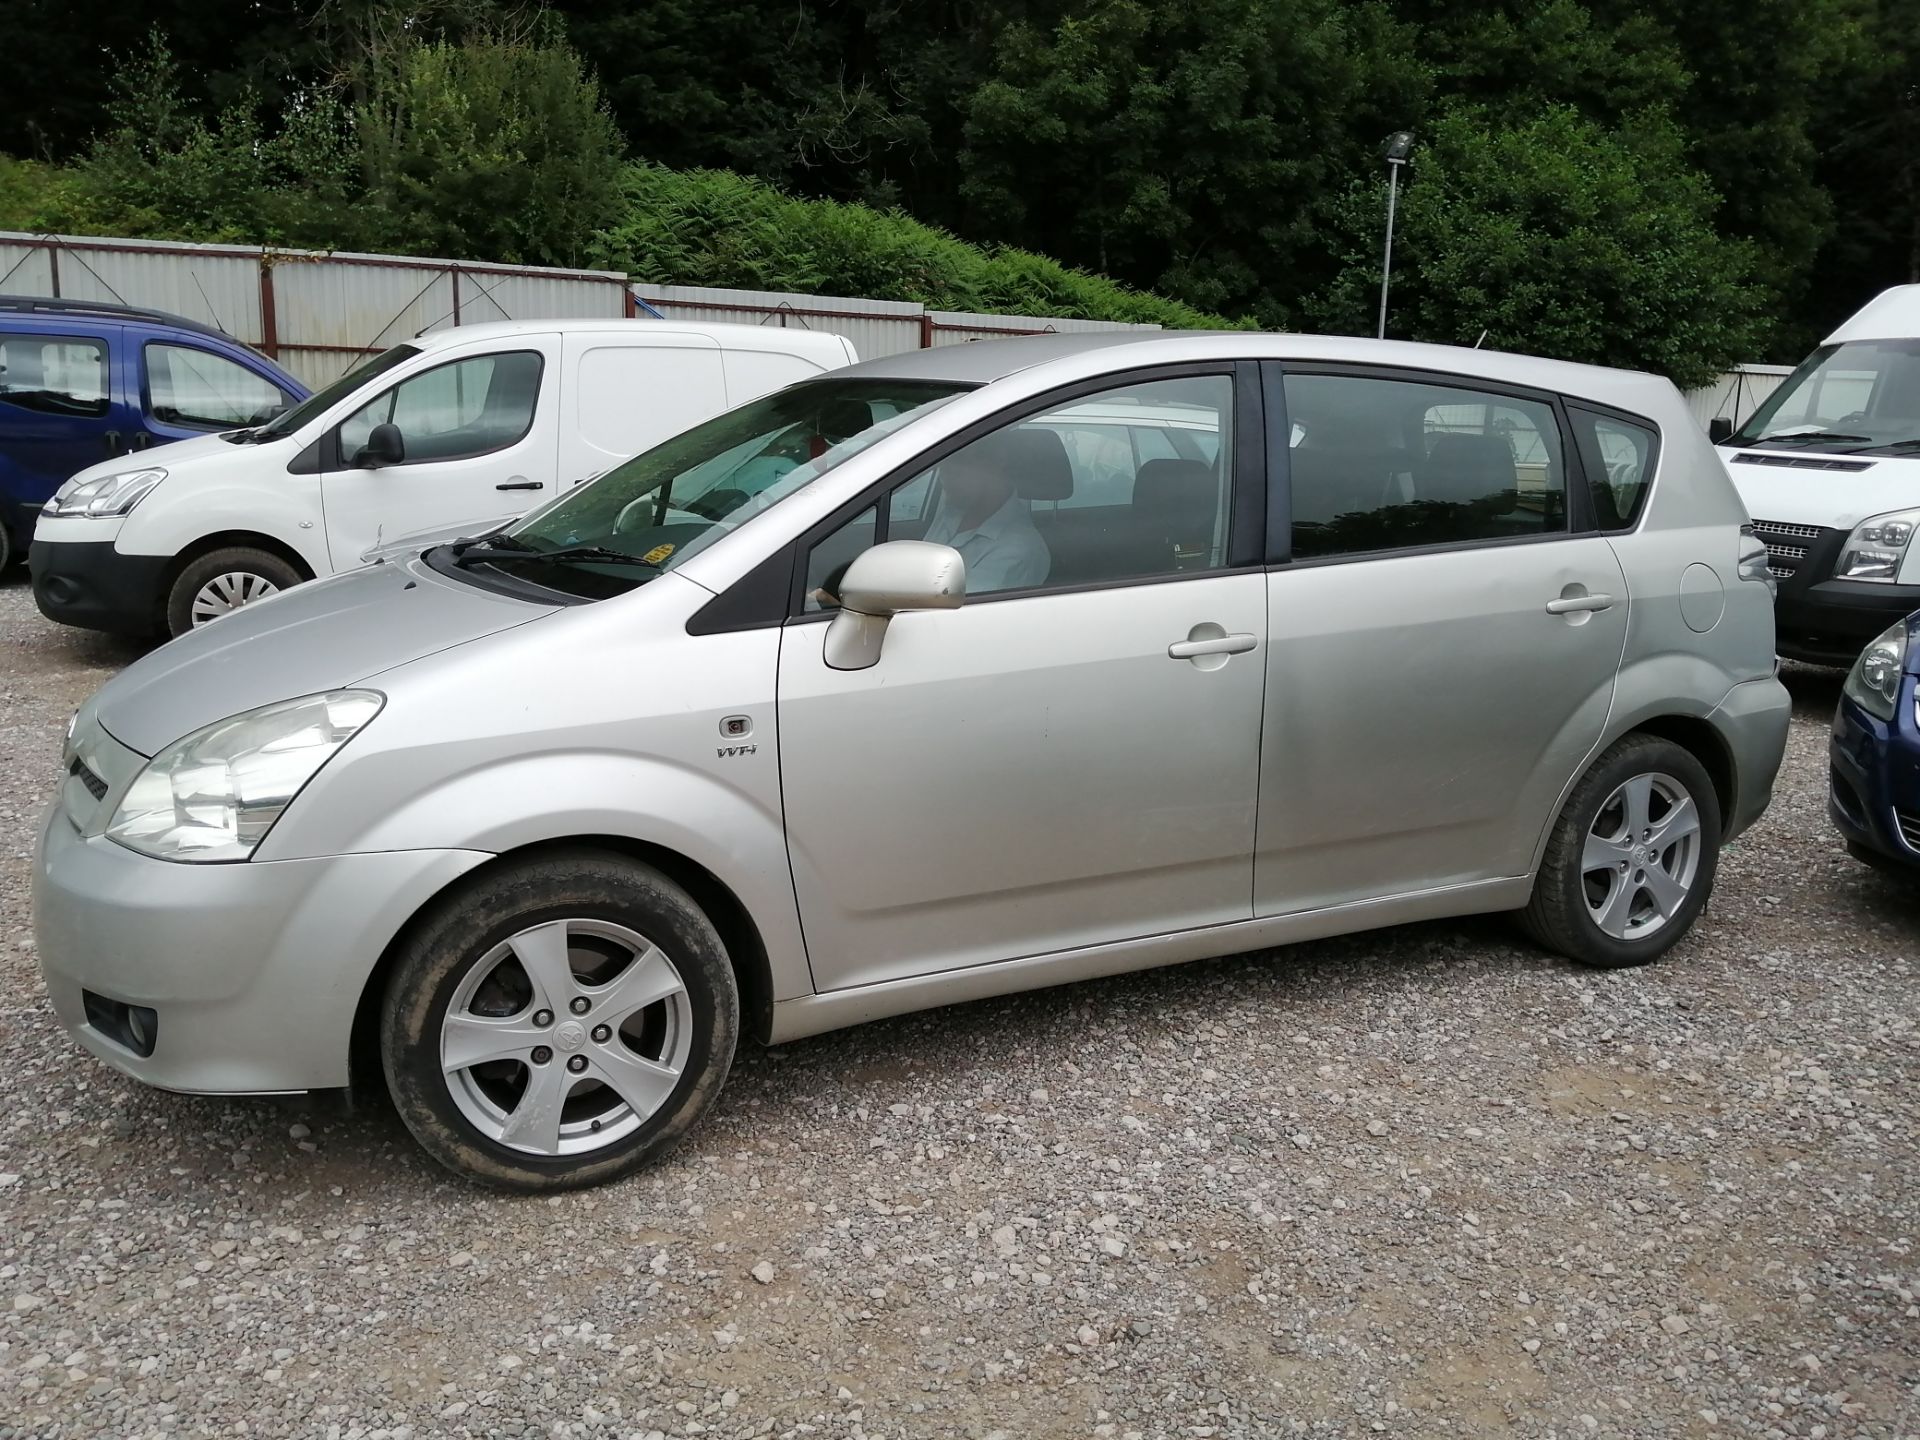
<point x="222" y="581"/>
<point x="559" y="1022"/>
<point x="1632" y="857"/>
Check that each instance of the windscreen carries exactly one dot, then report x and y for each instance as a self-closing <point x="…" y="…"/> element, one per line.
<point x="1860" y="397"/>
<point x="667" y="504"/>
<point x="321" y="401"/>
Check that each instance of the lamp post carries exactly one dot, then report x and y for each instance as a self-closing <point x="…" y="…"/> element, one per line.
<point x="1399" y="147"/>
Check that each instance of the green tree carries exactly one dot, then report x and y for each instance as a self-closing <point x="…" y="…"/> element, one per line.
<point x="497" y="147"/>
<point x="1556" y="236"/>
<point x="1189" y="148"/>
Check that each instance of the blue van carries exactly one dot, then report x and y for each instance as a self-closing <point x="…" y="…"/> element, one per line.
<point x="81" y="382"/>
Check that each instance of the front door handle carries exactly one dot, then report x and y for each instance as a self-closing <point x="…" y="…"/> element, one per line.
<point x="521" y="483"/>
<point x="1569" y="604"/>
<point x="1217" y="645"/>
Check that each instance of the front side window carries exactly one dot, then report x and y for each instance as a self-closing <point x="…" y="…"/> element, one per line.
<point x="190" y="386"/>
<point x="453" y="412"/>
<point x="1128" y="485"/>
<point x="667" y="504"/>
<point x="54" y="374"/>
<point x="1381" y="464"/>
<point x="1856" y="398"/>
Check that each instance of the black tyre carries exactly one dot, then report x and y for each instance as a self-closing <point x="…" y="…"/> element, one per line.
<point x="559" y="1022"/>
<point x="7" y="553"/>
<point x="222" y="581"/>
<point x="1632" y="858"/>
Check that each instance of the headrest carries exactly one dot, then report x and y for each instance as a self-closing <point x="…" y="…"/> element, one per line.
<point x="1175" y="489"/>
<point x="1467" y="466"/>
<point x="844" y="417"/>
<point x="1036" y="459"/>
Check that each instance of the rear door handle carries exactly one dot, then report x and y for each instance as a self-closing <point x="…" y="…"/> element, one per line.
<point x="1568" y="604"/>
<point x="517" y="484"/>
<point x="1221" y="645"/>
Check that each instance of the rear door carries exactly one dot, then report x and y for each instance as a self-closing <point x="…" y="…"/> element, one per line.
<point x="1425" y="706"/>
<point x="479" y="433"/>
<point x="60" y="410"/>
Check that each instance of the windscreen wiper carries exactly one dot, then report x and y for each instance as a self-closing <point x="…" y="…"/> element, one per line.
<point x="1801" y="435"/>
<point x="595" y="554"/>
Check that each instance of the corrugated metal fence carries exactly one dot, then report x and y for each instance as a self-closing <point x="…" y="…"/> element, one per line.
<point x="317" y="313"/>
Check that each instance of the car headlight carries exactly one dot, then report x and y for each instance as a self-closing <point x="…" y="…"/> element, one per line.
<point x="1874" y="681"/>
<point x="107" y="495"/>
<point x="216" y="794"/>
<point x="1877" y="546"/>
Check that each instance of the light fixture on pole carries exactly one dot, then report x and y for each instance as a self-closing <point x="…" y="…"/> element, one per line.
<point x="1399" y="147"/>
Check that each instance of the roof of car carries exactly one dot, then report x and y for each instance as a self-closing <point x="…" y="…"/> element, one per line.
<point x="738" y="337"/>
<point x="984" y="361"/>
<point x="54" y="308"/>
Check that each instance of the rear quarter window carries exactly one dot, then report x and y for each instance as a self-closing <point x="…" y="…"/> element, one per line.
<point x="1620" y="457"/>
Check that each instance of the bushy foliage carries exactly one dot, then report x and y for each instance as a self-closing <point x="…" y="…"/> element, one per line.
<point x="712" y="227"/>
<point x="1556" y="236"/>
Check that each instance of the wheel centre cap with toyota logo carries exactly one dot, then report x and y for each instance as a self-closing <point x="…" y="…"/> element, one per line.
<point x="569" y="1035"/>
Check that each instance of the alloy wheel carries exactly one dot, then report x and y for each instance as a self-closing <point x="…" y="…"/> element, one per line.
<point x="224" y="594"/>
<point x="1641" y="856"/>
<point x="566" y="1037"/>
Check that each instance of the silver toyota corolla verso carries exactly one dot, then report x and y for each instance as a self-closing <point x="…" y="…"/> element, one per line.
<point x="958" y="673"/>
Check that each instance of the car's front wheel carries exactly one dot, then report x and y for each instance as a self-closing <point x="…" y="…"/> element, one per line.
<point x="559" y="1022"/>
<point x="1631" y="859"/>
<point x="222" y="581"/>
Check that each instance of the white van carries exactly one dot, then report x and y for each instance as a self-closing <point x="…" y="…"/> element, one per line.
<point x="1829" y="467"/>
<point x="459" y="429"/>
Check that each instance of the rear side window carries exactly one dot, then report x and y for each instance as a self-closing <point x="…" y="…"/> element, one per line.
<point x="1619" y="457"/>
<point x="1383" y="464"/>
<point x="54" y="374"/>
<point x="190" y="386"/>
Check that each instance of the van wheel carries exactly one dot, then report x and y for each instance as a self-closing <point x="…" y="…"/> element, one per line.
<point x="6" y="547"/>
<point x="222" y="581"/>
<point x="1632" y="858"/>
<point x="559" y="1023"/>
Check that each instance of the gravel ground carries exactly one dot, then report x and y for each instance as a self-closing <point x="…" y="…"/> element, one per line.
<point x="1420" y="1182"/>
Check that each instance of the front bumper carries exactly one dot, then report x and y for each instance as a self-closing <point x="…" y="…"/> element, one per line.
<point x="253" y="970"/>
<point x="1873" y="778"/>
<point x="91" y="584"/>
<point x="1830" y="623"/>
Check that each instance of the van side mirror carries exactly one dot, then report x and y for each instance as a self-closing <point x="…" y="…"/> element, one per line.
<point x="1719" y="429"/>
<point x="384" y="447"/>
<point x="884" y="581"/>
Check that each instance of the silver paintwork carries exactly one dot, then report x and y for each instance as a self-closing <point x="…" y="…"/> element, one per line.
<point x="1020" y="792"/>
<point x="227" y="592"/>
<point x="890" y="578"/>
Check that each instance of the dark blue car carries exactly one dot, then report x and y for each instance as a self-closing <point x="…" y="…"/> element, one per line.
<point x="1874" y="793"/>
<point x="82" y="382"/>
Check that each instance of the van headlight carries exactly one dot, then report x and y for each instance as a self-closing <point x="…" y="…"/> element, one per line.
<point x="1877" y="546"/>
<point x="1874" y="681"/>
<point x="216" y="794"/>
<point x="107" y="495"/>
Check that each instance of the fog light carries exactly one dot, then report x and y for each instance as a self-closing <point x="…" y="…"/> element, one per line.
<point x="131" y="1027"/>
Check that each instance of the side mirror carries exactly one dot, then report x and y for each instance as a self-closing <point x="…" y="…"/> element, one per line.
<point x="384" y="447"/>
<point x="1719" y="429"/>
<point x="882" y="582"/>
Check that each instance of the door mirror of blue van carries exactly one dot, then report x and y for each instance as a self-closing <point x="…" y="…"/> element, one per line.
<point x="384" y="447"/>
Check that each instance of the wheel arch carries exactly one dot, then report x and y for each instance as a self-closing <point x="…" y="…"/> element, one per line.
<point x="745" y="946"/>
<point x="221" y="540"/>
<point x="1697" y="736"/>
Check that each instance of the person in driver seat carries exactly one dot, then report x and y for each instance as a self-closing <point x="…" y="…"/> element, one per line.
<point x="981" y="515"/>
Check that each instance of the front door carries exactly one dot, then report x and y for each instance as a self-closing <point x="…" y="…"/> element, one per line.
<point x="1425" y="707"/>
<point x="58" y="412"/>
<point x="1069" y="759"/>
<point x="479" y="441"/>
